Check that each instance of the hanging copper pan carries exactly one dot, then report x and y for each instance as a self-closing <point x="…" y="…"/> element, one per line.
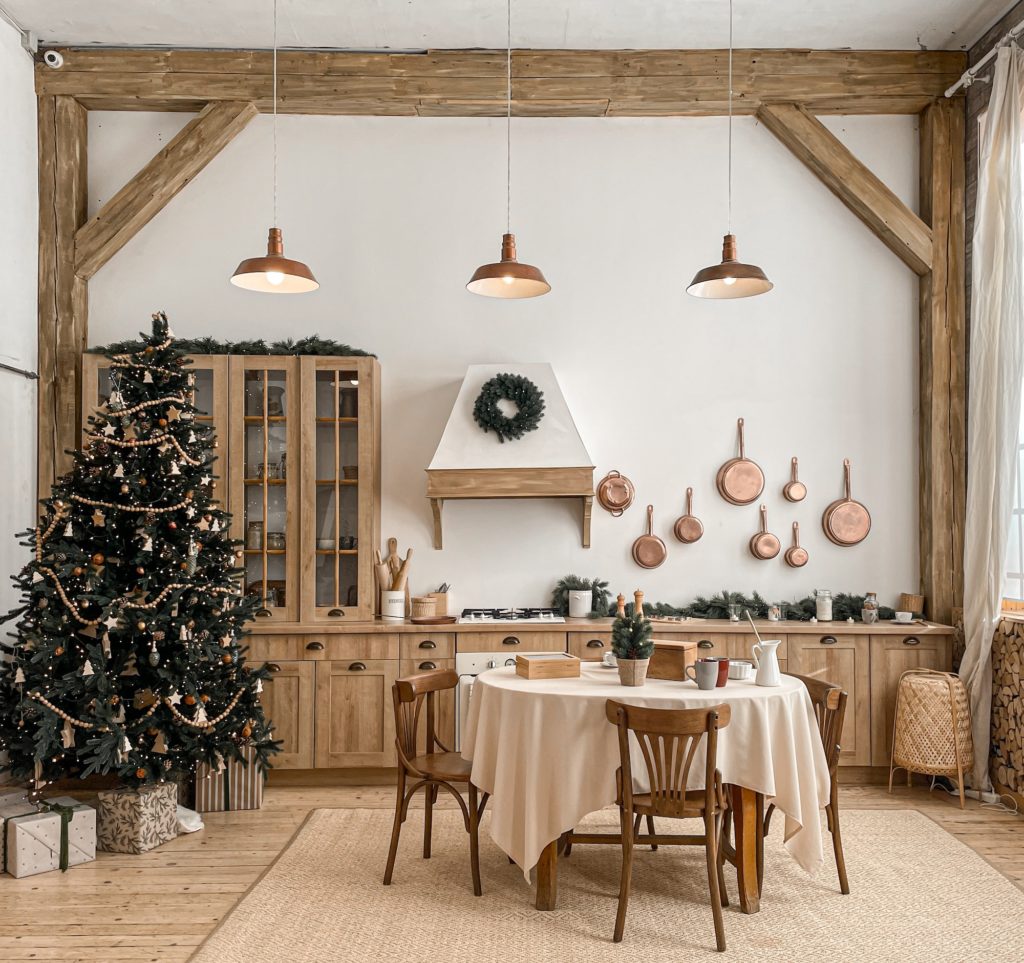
<point x="615" y="493"/>
<point x="648" y="550"/>
<point x="764" y="545"/>
<point x="794" y="490"/>
<point x="740" y="481"/>
<point x="846" y="522"/>
<point x="688" y="527"/>
<point x="796" y="557"/>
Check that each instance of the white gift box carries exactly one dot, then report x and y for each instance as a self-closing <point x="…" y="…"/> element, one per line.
<point x="36" y="840"/>
<point x="12" y="804"/>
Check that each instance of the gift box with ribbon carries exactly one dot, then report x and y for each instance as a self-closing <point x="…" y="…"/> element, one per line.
<point x="137" y="820"/>
<point x="59" y="834"/>
<point x="238" y="784"/>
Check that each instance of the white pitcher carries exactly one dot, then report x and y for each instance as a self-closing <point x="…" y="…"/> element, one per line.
<point x="766" y="661"/>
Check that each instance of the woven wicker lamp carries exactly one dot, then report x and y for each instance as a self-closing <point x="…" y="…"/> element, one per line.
<point x="931" y="733"/>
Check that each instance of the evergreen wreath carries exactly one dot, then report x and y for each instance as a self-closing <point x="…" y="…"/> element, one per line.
<point x="522" y="392"/>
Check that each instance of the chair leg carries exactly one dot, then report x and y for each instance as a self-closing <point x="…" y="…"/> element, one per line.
<point x="626" y="875"/>
<point x="837" y="846"/>
<point x="428" y="817"/>
<point x="396" y="829"/>
<point x="711" y="851"/>
<point x="568" y="846"/>
<point x="721" y="858"/>
<point x="650" y="829"/>
<point x="474" y="840"/>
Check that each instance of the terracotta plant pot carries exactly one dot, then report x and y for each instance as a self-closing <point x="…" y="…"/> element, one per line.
<point x="633" y="671"/>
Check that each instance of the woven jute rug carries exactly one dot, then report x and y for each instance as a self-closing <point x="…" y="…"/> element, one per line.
<point x="918" y="894"/>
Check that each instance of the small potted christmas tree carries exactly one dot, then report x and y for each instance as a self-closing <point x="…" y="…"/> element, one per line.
<point x="632" y="643"/>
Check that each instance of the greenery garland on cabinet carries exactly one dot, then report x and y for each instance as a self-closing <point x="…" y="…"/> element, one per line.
<point x="313" y="345"/>
<point x="522" y="392"/>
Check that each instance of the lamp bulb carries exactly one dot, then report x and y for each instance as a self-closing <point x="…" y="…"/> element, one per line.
<point x="729" y="280"/>
<point x="508" y="279"/>
<point x="275" y="277"/>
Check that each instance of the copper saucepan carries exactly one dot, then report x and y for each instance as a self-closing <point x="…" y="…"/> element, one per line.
<point x="615" y="493"/>
<point x="764" y="545"/>
<point x="846" y="521"/>
<point x="648" y="550"/>
<point x="688" y="527"/>
<point x="796" y="557"/>
<point x="740" y="481"/>
<point x="794" y="490"/>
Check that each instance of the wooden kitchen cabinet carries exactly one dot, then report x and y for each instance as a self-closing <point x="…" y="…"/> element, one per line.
<point x="445" y="730"/>
<point x="354" y="721"/>
<point x="590" y="646"/>
<point x="891" y="656"/>
<point x="287" y="700"/>
<point x="843" y="660"/>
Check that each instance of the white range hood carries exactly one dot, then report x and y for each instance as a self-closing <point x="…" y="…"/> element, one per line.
<point x="550" y="462"/>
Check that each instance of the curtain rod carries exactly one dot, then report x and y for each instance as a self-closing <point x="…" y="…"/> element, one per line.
<point x="971" y="75"/>
<point x="31" y="375"/>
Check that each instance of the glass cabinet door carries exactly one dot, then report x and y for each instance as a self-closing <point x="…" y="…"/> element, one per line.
<point x="264" y="495"/>
<point x="339" y="485"/>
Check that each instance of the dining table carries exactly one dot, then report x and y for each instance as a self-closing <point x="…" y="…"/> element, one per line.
<point x="545" y="752"/>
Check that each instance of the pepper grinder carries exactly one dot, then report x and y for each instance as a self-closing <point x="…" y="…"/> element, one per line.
<point x="620" y="601"/>
<point x="638" y="603"/>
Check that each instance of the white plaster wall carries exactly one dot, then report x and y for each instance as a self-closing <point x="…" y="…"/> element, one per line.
<point x="393" y="214"/>
<point x="18" y="215"/>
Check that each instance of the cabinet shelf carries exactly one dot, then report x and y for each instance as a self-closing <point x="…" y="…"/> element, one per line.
<point x="337" y="551"/>
<point x="266" y="551"/>
<point x="259" y="419"/>
<point x="337" y="421"/>
<point x="264" y="481"/>
<point x="337" y="481"/>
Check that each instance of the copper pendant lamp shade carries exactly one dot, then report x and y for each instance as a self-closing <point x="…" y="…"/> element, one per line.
<point x="274" y="273"/>
<point x="730" y="279"/>
<point x="508" y="278"/>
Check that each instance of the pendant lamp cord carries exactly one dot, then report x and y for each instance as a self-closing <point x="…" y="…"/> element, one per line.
<point x="508" y="116"/>
<point x="275" y="114"/>
<point x="729" y="216"/>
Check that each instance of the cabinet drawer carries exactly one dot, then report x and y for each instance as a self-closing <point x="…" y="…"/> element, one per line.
<point x="590" y="646"/>
<point x="276" y="647"/>
<point x="427" y="646"/>
<point x="509" y="640"/>
<point x="340" y="647"/>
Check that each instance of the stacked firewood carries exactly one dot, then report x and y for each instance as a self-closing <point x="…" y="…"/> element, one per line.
<point x="1007" y="762"/>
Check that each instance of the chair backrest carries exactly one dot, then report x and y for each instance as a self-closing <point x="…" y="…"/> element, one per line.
<point x="829" y="701"/>
<point x="668" y="740"/>
<point x="409" y="694"/>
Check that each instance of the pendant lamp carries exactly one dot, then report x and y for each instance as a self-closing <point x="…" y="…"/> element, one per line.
<point x="508" y="278"/>
<point x="273" y="273"/>
<point x="731" y="278"/>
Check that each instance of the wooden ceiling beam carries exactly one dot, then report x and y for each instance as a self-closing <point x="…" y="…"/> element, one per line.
<point x="899" y="228"/>
<point x="472" y="82"/>
<point x="149" y="191"/>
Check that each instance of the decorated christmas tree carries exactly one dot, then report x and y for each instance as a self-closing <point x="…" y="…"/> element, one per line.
<point x="128" y="655"/>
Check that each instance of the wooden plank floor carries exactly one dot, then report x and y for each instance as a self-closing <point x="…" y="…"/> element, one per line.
<point x="159" y="906"/>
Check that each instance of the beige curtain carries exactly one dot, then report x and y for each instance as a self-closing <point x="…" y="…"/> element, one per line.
<point x="996" y="370"/>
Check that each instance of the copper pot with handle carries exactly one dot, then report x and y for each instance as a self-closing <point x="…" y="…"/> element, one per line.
<point x="846" y="521"/>
<point x="794" y="490"/>
<point x="615" y="493"/>
<point x="740" y="481"/>
<point x="796" y="557"/>
<point x="649" y="551"/>
<point x="688" y="528"/>
<point x="764" y="545"/>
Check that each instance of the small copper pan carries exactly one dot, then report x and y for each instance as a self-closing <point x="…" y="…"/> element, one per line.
<point x="846" y="522"/>
<point x="740" y="481"/>
<point x="648" y="550"/>
<point x="796" y="557"/>
<point x="764" y="545"/>
<point x="794" y="490"/>
<point x="615" y="493"/>
<point x="688" y="527"/>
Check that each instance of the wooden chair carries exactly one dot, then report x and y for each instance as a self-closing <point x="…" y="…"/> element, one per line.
<point x="669" y="739"/>
<point x="829" y="702"/>
<point x="432" y="770"/>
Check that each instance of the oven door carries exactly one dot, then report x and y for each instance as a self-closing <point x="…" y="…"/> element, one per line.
<point x="462" y="697"/>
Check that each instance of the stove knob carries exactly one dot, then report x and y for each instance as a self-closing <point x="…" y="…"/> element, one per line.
<point x="510" y="662"/>
<point x="492" y="664"/>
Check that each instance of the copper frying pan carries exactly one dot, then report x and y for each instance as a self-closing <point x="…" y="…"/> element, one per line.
<point x="615" y="493"/>
<point x="740" y="481"/>
<point x="794" y="490"/>
<point x="846" y="521"/>
<point x="796" y="557"/>
<point x="688" y="527"/>
<point x="648" y="550"/>
<point x="764" y="545"/>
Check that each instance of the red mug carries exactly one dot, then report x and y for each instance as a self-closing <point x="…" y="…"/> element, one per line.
<point x="723" y="670"/>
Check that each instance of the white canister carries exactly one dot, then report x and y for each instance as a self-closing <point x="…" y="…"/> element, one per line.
<point x="580" y="603"/>
<point x="392" y="604"/>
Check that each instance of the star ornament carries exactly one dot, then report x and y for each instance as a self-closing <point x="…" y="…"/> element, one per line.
<point x="203" y="525"/>
<point x="173" y="413"/>
<point x="110" y="621"/>
<point x="174" y="699"/>
<point x="99" y="519"/>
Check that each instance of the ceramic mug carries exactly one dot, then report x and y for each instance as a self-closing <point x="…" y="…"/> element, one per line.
<point x="704" y="672"/>
<point x="609" y="659"/>
<point x="904" y="616"/>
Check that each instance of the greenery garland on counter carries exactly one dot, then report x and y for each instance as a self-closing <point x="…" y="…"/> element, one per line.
<point x="573" y="583"/>
<point x="313" y="345"/>
<point x="522" y="392"/>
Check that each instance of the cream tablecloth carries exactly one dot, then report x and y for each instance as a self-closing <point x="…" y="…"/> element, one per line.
<point x="547" y="754"/>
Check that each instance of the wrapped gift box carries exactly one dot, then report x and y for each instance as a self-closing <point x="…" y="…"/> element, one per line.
<point x="236" y="786"/>
<point x="12" y="804"/>
<point x="59" y="835"/>
<point x="137" y="820"/>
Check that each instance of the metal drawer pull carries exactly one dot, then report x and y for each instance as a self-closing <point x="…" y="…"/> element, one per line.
<point x="911" y="640"/>
<point x="336" y="614"/>
<point x="427" y="644"/>
<point x="595" y="644"/>
<point x="357" y="667"/>
<point x="428" y="665"/>
<point x="705" y="644"/>
<point x="828" y="640"/>
<point x="263" y="613"/>
<point x="315" y="647"/>
<point x="273" y="667"/>
<point x="510" y="640"/>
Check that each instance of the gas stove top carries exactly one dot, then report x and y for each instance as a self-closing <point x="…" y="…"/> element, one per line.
<point x="510" y="615"/>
